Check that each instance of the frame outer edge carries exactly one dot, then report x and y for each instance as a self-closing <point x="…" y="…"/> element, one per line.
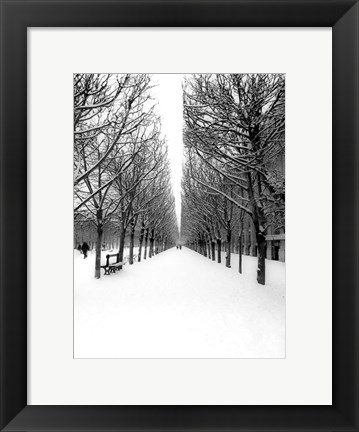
<point x="12" y="367"/>
<point x="13" y="227"/>
<point x="345" y="224"/>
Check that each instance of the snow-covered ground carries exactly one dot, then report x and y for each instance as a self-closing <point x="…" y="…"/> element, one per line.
<point x="179" y="304"/>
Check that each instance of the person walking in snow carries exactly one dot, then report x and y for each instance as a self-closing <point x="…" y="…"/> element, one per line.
<point x="85" y="248"/>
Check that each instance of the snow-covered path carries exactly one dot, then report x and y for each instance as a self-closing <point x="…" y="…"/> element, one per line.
<point x="179" y="304"/>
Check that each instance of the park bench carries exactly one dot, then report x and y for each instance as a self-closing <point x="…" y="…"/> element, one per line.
<point x="111" y="268"/>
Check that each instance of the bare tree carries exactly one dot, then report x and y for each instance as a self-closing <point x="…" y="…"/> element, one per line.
<point x="112" y="114"/>
<point x="235" y="125"/>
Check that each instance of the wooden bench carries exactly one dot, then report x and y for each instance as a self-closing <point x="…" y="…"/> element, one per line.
<point x="111" y="268"/>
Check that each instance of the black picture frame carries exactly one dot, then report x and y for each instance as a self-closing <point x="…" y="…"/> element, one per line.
<point x="16" y="17"/>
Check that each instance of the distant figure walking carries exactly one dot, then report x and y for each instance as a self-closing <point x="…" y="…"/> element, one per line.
<point x="85" y="248"/>
<point x="176" y="246"/>
<point x="181" y="247"/>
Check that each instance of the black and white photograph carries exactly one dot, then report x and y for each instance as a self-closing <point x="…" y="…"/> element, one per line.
<point x="179" y="216"/>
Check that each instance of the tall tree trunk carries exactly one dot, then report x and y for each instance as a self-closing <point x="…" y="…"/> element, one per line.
<point x="261" y="271"/>
<point x="98" y="244"/>
<point x="132" y="242"/>
<point x="156" y="245"/>
<point x="98" y="253"/>
<point x="219" y="249"/>
<point x="204" y="246"/>
<point x="213" y="246"/>
<point x="122" y="240"/>
<point x="240" y="252"/>
<point x="142" y="234"/>
<point x="228" y="255"/>
<point x="258" y="219"/>
<point x="152" y="240"/>
<point x="146" y="244"/>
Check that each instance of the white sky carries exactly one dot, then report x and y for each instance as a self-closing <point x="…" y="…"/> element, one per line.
<point x="169" y="96"/>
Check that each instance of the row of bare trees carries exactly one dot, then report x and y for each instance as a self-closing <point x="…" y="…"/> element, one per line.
<point x="234" y="166"/>
<point x="121" y="174"/>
